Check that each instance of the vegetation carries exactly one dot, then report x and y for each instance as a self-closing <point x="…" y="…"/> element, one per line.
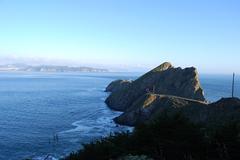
<point x="167" y="138"/>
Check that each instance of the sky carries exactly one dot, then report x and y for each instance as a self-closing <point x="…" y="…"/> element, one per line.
<point x="122" y="34"/>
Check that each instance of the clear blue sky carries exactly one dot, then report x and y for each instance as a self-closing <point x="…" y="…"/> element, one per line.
<point x="118" y="33"/>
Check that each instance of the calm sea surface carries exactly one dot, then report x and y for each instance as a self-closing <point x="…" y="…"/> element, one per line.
<point x="53" y="114"/>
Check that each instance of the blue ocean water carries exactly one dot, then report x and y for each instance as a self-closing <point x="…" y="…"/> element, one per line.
<point x="53" y="114"/>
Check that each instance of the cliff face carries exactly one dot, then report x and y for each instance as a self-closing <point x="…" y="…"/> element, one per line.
<point x="164" y="79"/>
<point x="168" y="90"/>
<point x="118" y="85"/>
<point x="149" y="106"/>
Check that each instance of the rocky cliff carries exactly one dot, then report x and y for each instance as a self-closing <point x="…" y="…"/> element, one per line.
<point x="150" y="106"/>
<point x="118" y="85"/>
<point x="164" y="79"/>
<point x="168" y="90"/>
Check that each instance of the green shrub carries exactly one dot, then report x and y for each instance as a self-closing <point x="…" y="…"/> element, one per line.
<point x="130" y="157"/>
<point x="167" y="138"/>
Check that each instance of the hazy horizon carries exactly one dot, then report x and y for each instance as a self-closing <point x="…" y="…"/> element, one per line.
<point x="122" y="35"/>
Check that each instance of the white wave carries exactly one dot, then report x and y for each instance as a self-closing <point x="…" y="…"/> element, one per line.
<point x="46" y="157"/>
<point x="78" y="127"/>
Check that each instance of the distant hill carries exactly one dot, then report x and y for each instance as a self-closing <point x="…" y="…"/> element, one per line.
<point x="48" y="68"/>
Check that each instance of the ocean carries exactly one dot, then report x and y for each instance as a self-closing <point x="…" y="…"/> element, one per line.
<point x="53" y="114"/>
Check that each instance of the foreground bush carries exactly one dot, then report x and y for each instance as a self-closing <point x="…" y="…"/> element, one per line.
<point x="167" y="138"/>
<point x="130" y="157"/>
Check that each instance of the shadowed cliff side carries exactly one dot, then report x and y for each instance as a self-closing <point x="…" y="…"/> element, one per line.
<point x="150" y="106"/>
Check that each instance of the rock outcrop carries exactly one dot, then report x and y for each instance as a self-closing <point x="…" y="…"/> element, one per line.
<point x="164" y="79"/>
<point x="118" y="85"/>
<point x="168" y="90"/>
<point x="150" y="106"/>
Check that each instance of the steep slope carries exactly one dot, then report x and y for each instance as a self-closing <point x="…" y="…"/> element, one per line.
<point x="164" y="79"/>
<point x="150" y="106"/>
<point x="118" y="85"/>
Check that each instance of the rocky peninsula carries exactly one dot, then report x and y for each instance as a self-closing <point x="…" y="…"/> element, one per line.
<point x="171" y="118"/>
<point x="167" y="90"/>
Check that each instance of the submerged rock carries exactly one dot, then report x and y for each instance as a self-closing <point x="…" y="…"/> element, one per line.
<point x="164" y="79"/>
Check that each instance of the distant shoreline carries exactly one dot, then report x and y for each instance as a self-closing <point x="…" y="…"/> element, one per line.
<point x="48" y="68"/>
